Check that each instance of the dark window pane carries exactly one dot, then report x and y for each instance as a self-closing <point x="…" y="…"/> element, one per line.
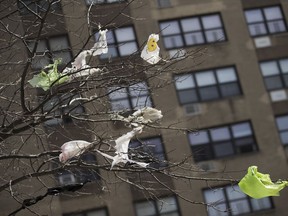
<point x="154" y="145"/>
<point x="187" y="96"/>
<point x="223" y="149"/>
<point x="202" y="152"/>
<point x="229" y="89"/>
<point x="286" y="79"/>
<point x="245" y="145"/>
<point x="87" y="175"/>
<point x="208" y="93"/>
<point x="42" y="5"/>
<point x="149" y="150"/>
<point x="273" y="82"/>
<point x="28" y="4"/>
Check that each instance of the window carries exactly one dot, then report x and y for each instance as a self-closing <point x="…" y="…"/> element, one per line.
<point x="37" y="6"/>
<point x="282" y="124"/>
<point x="207" y="85"/>
<point x="78" y="174"/>
<point x="96" y="212"/>
<point x="164" y="206"/>
<point x="149" y="150"/>
<point x="88" y="2"/>
<point x="264" y="21"/>
<point x="192" y="31"/>
<point x="121" y="42"/>
<point x="222" y="141"/>
<point x="60" y="109"/>
<point x="229" y="200"/>
<point x="129" y="98"/>
<point x="275" y="74"/>
<point x="49" y="49"/>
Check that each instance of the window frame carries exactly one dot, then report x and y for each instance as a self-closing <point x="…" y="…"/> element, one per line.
<point x="285" y="145"/>
<point x="232" y="141"/>
<point x="116" y="44"/>
<point x="227" y="201"/>
<point x="202" y="30"/>
<point x="79" y="174"/>
<point x="38" y="8"/>
<point x="57" y="109"/>
<point x="145" y="150"/>
<point x="265" y="21"/>
<point x="49" y="52"/>
<point x="129" y="96"/>
<point x="217" y="85"/>
<point x="280" y="75"/>
<point x="154" y="203"/>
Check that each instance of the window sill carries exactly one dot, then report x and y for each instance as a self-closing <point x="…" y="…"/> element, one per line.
<point x="228" y="157"/>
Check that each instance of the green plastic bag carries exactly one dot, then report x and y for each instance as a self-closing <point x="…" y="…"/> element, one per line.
<point x="45" y="80"/>
<point x="258" y="185"/>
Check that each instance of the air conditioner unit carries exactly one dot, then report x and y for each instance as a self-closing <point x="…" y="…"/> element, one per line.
<point x="192" y="109"/>
<point x="164" y="3"/>
<point x="66" y="179"/>
<point x="261" y="42"/>
<point x="278" y="95"/>
<point x="206" y="165"/>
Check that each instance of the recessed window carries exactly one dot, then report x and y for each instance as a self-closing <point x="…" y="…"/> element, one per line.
<point x="121" y="42"/>
<point x="96" y="212"/>
<point x="275" y="74"/>
<point x="49" y="50"/>
<point x="192" y="31"/>
<point x="160" y="207"/>
<point x="37" y="6"/>
<point x="78" y="174"/>
<point x="264" y="21"/>
<point x="59" y="109"/>
<point x="129" y="98"/>
<point x="229" y="200"/>
<point x="219" y="142"/>
<point x="282" y="125"/>
<point x="207" y="85"/>
<point x="149" y="150"/>
<point x="89" y="2"/>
